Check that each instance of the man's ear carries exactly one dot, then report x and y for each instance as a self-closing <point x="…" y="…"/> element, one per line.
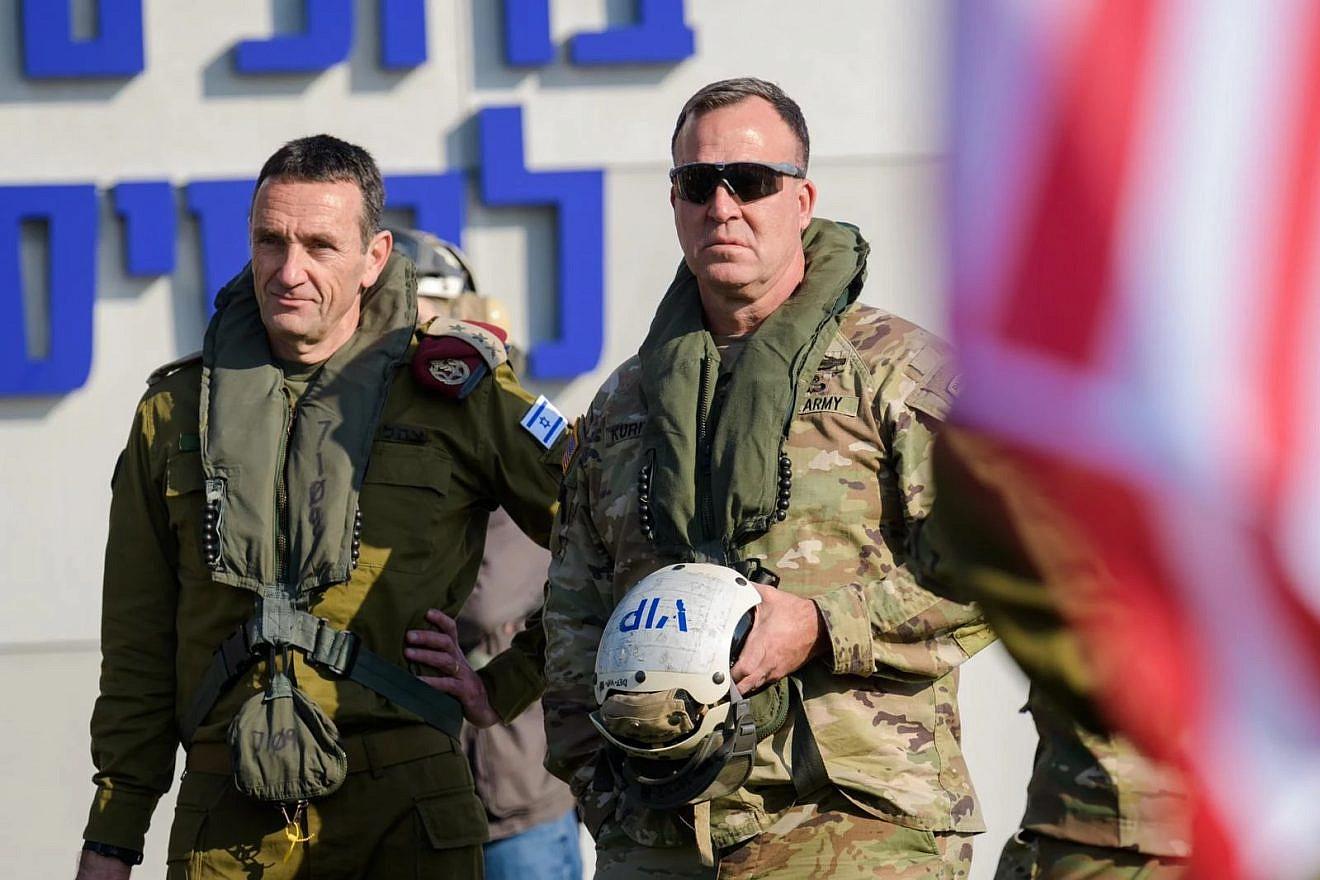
<point x="806" y="204"/>
<point x="378" y="252"/>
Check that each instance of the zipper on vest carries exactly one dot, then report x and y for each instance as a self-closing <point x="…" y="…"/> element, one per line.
<point x="705" y="501"/>
<point x="283" y="563"/>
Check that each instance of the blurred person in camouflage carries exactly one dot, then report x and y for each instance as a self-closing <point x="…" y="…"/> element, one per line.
<point x="772" y="424"/>
<point x="1097" y="807"/>
<point x="533" y="823"/>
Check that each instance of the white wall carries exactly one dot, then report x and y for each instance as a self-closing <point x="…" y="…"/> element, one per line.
<point x="868" y="75"/>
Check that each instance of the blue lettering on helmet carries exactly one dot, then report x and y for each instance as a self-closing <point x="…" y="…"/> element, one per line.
<point x="649" y="608"/>
<point x="633" y="619"/>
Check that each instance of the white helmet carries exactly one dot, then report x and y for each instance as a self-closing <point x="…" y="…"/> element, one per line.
<point x="663" y="682"/>
<point x="442" y="269"/>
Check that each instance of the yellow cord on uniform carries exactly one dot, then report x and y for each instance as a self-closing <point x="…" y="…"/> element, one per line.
<point x="293" y="829"/>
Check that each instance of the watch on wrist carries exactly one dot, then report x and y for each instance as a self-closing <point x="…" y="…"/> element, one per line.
<point x="128" y="856"/>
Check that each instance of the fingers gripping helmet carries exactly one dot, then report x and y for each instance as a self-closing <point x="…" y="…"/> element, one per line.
<point x="668" y="705"/>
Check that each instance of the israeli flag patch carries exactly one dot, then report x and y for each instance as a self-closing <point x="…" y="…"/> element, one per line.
<point x="544" y="422"/>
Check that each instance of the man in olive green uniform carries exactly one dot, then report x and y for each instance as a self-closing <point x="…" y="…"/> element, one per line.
<point x="533" y="823"/>
<point x="1097" y="808"/>
<point x="771" y="423"/>
<point x="324" y="462"/>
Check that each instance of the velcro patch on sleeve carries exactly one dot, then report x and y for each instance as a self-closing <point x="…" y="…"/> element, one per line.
<point x="571" y="447"/>
<point x="544" y="422"/>
<point x="937" y="393"/>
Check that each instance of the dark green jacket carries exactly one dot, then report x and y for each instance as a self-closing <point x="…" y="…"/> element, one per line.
<point x="437" y="469"/>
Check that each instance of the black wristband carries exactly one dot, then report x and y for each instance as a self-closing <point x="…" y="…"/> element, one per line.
<point x="128" y="856"/>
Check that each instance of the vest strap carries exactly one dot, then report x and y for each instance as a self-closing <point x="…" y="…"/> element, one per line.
<point x="336" y="651"/>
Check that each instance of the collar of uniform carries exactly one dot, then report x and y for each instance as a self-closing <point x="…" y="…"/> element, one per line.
<point x="745" y="435"/>
<point x="248" y="432"/>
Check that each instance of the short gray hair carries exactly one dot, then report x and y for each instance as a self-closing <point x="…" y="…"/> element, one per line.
<point x="728" y="92"/>
<point x="321" y="158"/>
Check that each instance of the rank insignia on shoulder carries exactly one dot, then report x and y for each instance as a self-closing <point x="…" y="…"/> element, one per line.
<point x="454" y="356"/>
<point x="544" y="422"/>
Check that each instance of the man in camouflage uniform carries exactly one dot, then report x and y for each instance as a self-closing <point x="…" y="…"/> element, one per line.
<point x="769" y="422"/>
<point x="299" y="459"/>
<point x="1097" y="808"/>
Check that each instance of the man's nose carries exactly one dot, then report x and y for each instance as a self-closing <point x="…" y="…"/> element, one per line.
<point x="293" y="270"/>
<point x="722" y="206"/>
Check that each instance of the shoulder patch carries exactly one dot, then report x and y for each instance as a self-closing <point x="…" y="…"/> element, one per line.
<point x="925" y="361"/>
<point x="167" y="370"/>
<point x="544" y="422"/>
<point x="454" y="356"/>
<point x="572" y="446"/>
<point x="937" y="392"/>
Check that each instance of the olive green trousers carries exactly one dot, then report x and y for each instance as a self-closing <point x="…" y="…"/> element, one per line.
<point x="398" y="816"/>
<point x="1031" y="856"/>
<point x="829" y="839"/>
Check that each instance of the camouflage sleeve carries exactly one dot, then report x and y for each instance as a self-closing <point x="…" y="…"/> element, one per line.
<point x="525" y="480"/>
<point x="901" y="625"/>
<point x="576" y="609"/>
<point x="134" y="738"/>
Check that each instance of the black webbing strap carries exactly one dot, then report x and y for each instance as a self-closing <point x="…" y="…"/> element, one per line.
<point x="334" y="650"/>
<point x="406" y="691"/>
<point x="808" y="768"/>
<point x="234" y="656"/>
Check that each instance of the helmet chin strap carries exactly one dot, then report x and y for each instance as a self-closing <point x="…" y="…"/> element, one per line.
<point x="719" y="766"/>
<point x="712" y="771"/>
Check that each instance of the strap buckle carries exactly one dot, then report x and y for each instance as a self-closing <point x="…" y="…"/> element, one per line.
<point x="755" y="571"/>
<point x="334" y="650"/>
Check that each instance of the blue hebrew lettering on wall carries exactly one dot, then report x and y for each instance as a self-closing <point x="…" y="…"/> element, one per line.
<point x="49" y="49"/>
<point x="70" y="215"/>
<point x="221" y="208"/>
<point x="402" y="33"/>
<point x="148" y="214"/>
<point x="579" y="198"/>
<point x="326" y="40"/>
<point x="437" y="201"/>
<point x="527" y="33"/>
<point x="659" y="37"/>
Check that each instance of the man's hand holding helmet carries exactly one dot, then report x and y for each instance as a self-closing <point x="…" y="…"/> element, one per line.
<point x="787" y="633"/>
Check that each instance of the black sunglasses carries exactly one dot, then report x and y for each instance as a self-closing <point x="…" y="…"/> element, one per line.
<point x="748" y="181"/>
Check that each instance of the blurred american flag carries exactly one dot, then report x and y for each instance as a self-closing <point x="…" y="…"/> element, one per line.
<point x="1135" y="209"/>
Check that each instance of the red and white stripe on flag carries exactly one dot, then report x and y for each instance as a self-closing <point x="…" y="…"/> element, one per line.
<point x="1136" y="263"/>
